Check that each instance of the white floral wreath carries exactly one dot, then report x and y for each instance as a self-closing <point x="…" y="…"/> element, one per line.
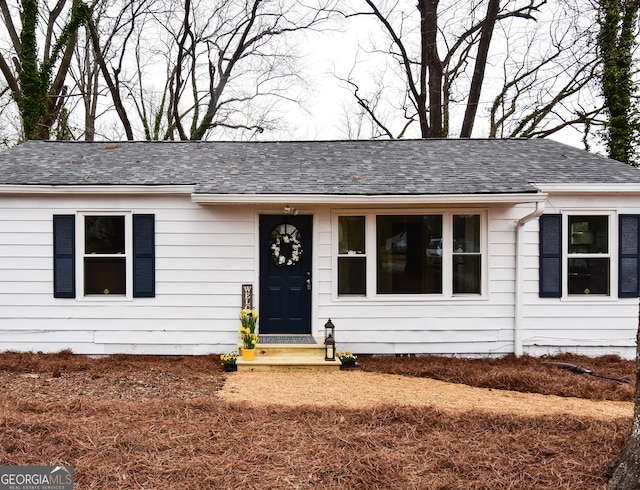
<point x="296" y="249"/>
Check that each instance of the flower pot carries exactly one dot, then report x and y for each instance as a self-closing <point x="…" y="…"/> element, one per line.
<point x="230" y="367"/>
<point x="248" y="354"/>
<point x="348" y="365"/>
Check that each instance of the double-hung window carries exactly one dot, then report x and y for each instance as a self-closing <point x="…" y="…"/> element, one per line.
<point x="588" y="259"/>
<point x="576" y="255"/>
<point x="467" y="259"/>
<point x="409" y="254"/>
<point x="104" y="254"/>
<point x="352" y="258"/>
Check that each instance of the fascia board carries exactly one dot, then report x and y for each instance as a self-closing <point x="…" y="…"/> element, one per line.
<point x="366" y="199"/>
<point x="604" y="188"/>
<point x="96" y="190"/>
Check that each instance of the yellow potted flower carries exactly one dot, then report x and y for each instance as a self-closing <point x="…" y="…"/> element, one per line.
<point x="248" y="319"/>
<point x="228" y="360"/>
<point x="347" y="359"/>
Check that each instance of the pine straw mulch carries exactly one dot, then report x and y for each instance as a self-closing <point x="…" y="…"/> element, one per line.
<point x="128" y="422"/>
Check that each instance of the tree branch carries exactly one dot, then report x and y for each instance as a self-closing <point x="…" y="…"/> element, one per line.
<point x="115" y="94"/>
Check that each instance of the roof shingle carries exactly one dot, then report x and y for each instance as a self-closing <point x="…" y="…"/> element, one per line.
<point x="390" y="167"/>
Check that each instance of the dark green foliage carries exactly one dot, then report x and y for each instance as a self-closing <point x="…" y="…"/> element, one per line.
<point x="39" y="107"/>
<point x="616" y="41"/>
<point x="32" y="103"/>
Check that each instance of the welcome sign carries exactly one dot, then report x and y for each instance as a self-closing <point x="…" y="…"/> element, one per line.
<point x="247" y="297"/>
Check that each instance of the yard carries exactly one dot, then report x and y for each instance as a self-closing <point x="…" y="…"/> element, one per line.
<point x="129" y="422"/>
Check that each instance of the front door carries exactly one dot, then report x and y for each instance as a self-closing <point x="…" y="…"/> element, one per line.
<point x="285" y="274"/>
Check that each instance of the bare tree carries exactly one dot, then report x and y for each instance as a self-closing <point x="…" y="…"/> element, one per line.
<point x="10" y="124"/>
<point x="445" y="56"/>
<point x="85" y="74"/>
<point x="550" y="85"/>
<point x="211" y="65"/>
<point x="157" y="69"/>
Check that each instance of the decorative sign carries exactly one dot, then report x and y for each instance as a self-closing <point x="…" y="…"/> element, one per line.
<point x="247" y="296"/>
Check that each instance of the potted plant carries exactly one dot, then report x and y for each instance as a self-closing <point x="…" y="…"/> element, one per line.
<point x="229" y="361"/>
<point x="248" y="319"/>
<point x="347" y="359"/>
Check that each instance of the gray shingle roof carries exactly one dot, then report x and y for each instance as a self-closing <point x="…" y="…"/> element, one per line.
<point x="444" y="166"/>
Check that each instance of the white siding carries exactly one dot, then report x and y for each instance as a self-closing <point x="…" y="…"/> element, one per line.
<point x="205" y="253"/>
<point x="437" y="324"/>
<point x="586" y="324"/>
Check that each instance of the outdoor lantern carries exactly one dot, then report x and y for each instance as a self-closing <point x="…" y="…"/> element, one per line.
<point x="329" y="330"/>
<point x="329" y="341"/>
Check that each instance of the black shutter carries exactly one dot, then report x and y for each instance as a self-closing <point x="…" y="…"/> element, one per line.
<point x="629" y="252"/>
<point x="64" y="245"/>
<point x="550" y="256"/>
<point x="144" y="257"/>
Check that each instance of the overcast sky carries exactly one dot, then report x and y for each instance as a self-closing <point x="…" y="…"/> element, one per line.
<point x="323" y="115"/>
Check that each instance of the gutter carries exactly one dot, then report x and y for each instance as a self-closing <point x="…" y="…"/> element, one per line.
<point x="518" y="317"/>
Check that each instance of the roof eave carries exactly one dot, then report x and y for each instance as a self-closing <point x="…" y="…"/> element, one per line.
<point x="212" y="199"/>
<point x="599" y="188"/>
<point x="26" y="189"/>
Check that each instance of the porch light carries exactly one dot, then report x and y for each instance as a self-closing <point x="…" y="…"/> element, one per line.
<point x="329" y="341"/>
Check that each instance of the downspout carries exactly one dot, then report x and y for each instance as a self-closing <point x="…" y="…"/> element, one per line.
<point x="519" y="290"/>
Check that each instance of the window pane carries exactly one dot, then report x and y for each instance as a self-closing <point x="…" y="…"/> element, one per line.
<point x="588" y="276"/>
<point x="403" y="263"/>
<point x="104" y="275"/>
<point x="104" y="234"/>
<point x="589" y="234"/>
<point x="352" y="278"/>
<point x="351" y="235"/>
<point x="466" y="274"/>
<point x="466" y="233"/>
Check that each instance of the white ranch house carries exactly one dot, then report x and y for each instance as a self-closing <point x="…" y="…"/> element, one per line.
<point x="459" y="247"/>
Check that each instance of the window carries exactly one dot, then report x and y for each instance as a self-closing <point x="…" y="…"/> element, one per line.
<point x="577" y="250"/>
<point x="629" y="256"/>
<point x="466" y="254"/>
<point x="352" y="259"/>
<point x="588" y="255"/>
<point x="117" y="255"/>
<point x="105" y="261"/>
<point x="404" y="267"/>
<point x="416" y="254"/>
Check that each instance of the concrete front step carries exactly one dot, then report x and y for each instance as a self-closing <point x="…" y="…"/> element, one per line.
<point x="287" y="363"/>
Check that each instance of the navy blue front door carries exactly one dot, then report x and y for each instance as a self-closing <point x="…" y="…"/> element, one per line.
<point x="285" y="274"/>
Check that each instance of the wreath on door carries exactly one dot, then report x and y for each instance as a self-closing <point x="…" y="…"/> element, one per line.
<point x="286" y="248"/>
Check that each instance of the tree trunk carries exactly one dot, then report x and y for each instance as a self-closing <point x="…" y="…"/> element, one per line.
<point x="431" y="61"/>
<point x="626" y="472"/>
<point x="478" y="73"/>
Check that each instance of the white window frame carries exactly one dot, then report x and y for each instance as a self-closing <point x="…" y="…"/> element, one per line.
<point x="128" y="256"/>
<point x="611" y="255"/>
<point x="480" y="253"/>
<point x="364" y="255"/>
<point x="447" y="254"/>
